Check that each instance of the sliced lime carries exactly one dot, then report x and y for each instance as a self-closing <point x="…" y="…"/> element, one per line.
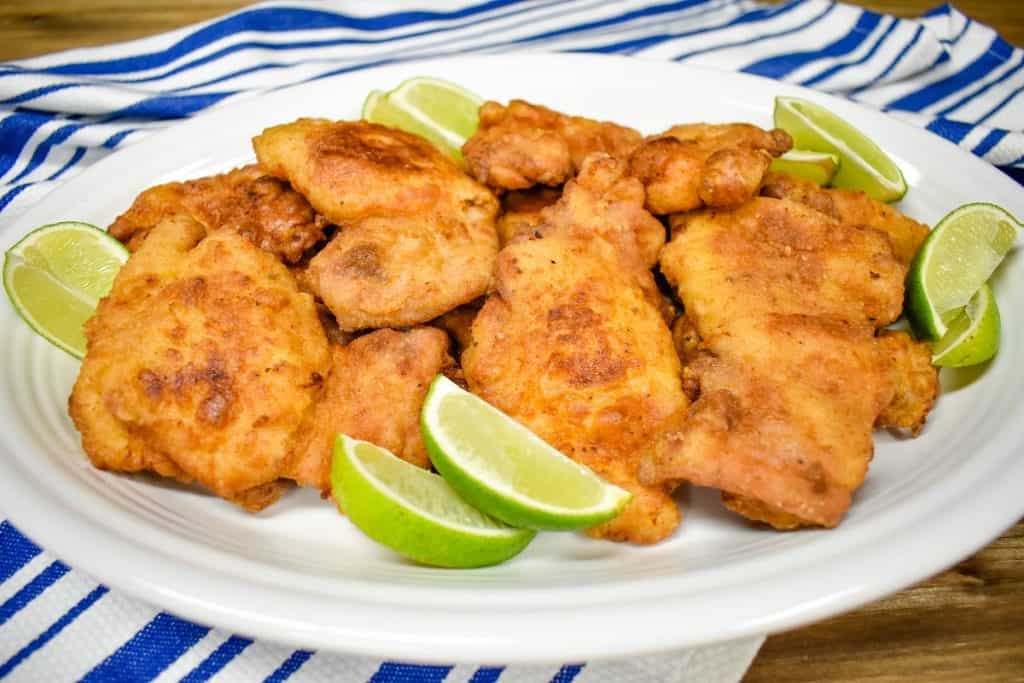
<point x="508" y="471"/>
<point x="55" y="276"/>
<point x="973" y="335"/>
<point x="819" y="167"/>
<point x="863" y="165"/>
<point x="440" y="111"/>
<point x="414" y="512"/>
<point x="958" y="257"/>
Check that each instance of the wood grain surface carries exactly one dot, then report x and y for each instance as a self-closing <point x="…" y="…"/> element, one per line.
<point x="966" y="624"/>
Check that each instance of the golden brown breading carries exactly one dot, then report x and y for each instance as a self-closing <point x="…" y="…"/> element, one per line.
<point x="262" y="209"/>
<point x="523" y="144"/>
<point x="201" y="364"/>
<point x="693" y="165"/>
<point x="520" y="211"/>
<point x="459" y="324"/>
<point x="854" y="208"/>
<point x="789" y="375"/>
<point x="913" y="379"/>
<point x="374" y="392"/>
<point x="417" y="236"/>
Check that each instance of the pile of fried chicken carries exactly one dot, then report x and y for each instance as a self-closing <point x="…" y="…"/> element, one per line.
<point x="663" y="309"/>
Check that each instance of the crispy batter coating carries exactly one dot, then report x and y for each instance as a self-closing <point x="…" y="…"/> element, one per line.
<point x="201" y="364"/>
<point x="374" y="392"/>
<point x="262" y="209"/>
<point x="693" y="165"/>
<point x="913" y="379"/>
<point x="417" y="236"/>
<point x="520" y="211"/>
<point x="572" y="342"/>
<point x="523" y="144"/>
<point x="789" y="374"/>
<point x="854" y="208"/>
<point x="459" y="324"/>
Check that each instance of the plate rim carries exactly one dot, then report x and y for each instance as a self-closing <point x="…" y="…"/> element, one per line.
<point x="168" y="591"/>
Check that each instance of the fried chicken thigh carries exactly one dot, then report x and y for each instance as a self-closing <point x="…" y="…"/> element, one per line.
<point x="201" y="365"/>
<point x="700" y="164"/>
<point x="520" y="211"/>
<point x="789" y="374"/>
<point x="246" y="200"/>
<point x="523" y="144"/>
<point x="852" y="207"/>
<point x="416" y="235"/>
<point x="571" y="344"/>
<point x="374" y="392"/>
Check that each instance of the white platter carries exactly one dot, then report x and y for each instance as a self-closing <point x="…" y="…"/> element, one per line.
<point x="299" y="573"/>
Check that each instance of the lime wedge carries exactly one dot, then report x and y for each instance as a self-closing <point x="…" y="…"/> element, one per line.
<point x="414" y="512"/>
<point x="818" y="167"/>
<point x="863" y="164"/>
<point x="973" y="335"/>
<point x="506" y="470"/>
<point x="437" y="110"/>
<point x="958" y="257"/>
<point x="57" y="274"/>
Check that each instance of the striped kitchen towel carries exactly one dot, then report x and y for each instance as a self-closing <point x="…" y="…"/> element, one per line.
<point x="59" y="113"/>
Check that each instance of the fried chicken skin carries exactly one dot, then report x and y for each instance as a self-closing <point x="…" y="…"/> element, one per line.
<point x="246" y="200"/>
<point x="374" y="392"/>
<point x="202" y="363"/>
<point x="522" y="145"/>
<point x="704" y="164"/>
<point x="416" y="235"/>
<point x="572" y="345"/>
<point x="520" y="211"/>
<point x="852" y="207"/>
<point x="789" y="374"/>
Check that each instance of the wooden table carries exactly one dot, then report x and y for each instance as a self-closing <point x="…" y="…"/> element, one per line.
<point x="966" y="624"/>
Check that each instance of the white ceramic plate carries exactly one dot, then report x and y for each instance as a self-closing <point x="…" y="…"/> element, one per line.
<point x="300" y="573"/>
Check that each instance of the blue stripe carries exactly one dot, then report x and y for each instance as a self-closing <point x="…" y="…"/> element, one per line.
<point x="39" y="92"/>
<point x="765" y="15"/>
<point x="397" y="672"/>
<point x="996" y="54"/>
<point x="289" y="666"/>
<point x="75" y="158"/>
<point x="42" y="150"/>
<point x="15" y="132"/>
<point x="32" y="590"/>
<point x="266" y="20"/>
<point x="1005" y="101"/>
<point x="782" y="65"/>
<point x="115" y="139"/>
<point x="168" y="106"/>
<point x="15" y="550"/>
<point x="55" y="628"/>
<point x="217" y="660"/>
<point x="567" y="673"/>
<point x="12" y="193"/>
<point x="994" y="82"/>
<point x="954" y="131"/>
<point x="486" y="674"/>
<point x="892" y="65"/>
<point x="828" y="73"/>
<point x="993" y="138"/>
<point x="151" y="650"/>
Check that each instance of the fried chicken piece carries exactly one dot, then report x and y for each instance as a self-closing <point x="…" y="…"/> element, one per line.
<point x="693" y="165"/>
<point x="852" y="207"/>
<point x="459" y="324"/>
<point x="262" y="209"/>
<point x="573" y="345"/>
<point x="201" y="365"/>
<point x="523" y="144"/>
<point x="374" y="392"/>
<point x="520" y="211"/>
<point x="913" y="379"/>
<point x="416" y="236"/>
<point x="790" y="375"/>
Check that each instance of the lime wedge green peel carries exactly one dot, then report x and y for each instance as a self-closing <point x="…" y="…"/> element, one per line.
<point x="440" y="111"/>
<point x="414" y="512"/>
<point x="862" y="163"/>
<point x="973" y="335"/>
<point x="56" y="275"/>
<point x="506" y="470"/>
<point x="958" y="257"/>
<point x="818" y="167"/>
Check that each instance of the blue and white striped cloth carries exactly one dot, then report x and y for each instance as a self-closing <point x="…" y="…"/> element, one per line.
<point x="59" y="113"/>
